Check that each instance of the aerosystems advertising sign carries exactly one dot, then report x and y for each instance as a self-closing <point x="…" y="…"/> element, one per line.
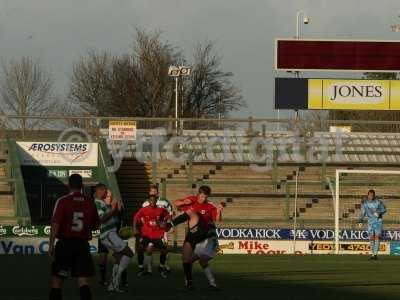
<point x="331" y="94"/>
<point x="58" y="154"/>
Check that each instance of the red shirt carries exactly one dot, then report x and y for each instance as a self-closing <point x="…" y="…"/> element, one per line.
<point x="206" y="210"/>
<point x="150" y="218"/>
<point x="77" y="216"/>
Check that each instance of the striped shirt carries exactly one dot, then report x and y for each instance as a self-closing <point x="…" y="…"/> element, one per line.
<point x="109" y="225"/>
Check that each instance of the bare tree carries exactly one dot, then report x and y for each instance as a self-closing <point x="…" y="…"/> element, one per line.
<point x="153" y="58"/>
<point x="210" y="89"/>
<point x="90" y="79"/>
<point x="26" y="89"/>
<point x="137" y="84"/>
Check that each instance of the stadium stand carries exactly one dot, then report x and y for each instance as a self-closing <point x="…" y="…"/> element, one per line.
<point x="12" y="209"/>
<point x="257" y="199"/>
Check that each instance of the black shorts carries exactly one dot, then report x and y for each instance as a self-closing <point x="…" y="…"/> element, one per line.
<point x="72" y="258"/>
<point x="196" y="235"/>
<point x="158" y="244"/>
<point x="101" y="249"/>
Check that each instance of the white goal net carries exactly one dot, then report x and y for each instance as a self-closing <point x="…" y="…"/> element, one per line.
<point x="351" y="186"/>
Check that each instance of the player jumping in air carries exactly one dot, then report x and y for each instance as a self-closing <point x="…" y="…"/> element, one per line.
<point x="163" y="203"/>
<point x="152" y="220"/>
<point x="201" y="241"/>
<point x="74" y="218"/>
<point x="374" y="209"/>
<point x="110" y="238"/>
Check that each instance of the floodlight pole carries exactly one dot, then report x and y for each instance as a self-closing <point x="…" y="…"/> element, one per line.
<point x="176" y="105"/>
<point x="278" y="126"/>
<point x="337" y="246"/>
<point x="296" y="192"/>
<point x="178" y="71"/>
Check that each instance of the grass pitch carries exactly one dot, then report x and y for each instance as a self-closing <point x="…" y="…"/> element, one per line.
<point x="241" y="277"/>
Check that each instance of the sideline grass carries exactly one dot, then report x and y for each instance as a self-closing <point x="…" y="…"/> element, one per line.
<point x="241" y="277"/>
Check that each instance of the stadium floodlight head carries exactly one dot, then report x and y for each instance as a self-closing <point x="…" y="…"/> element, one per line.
<point x="176" y="71"/>
<point x="395" y="27"/>
<point x="173" y="71"/>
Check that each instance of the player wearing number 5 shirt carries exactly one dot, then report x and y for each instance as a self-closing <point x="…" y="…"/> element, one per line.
<point x="74" y="218"/>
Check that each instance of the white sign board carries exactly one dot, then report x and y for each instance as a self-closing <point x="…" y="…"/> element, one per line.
<point x="122" y="130"/>
<point x="264" y="247"/>
<point x="58" y="154"/>
<point x="326" y="247"/>
<point x="83" y="173"/>
<point x="31" y="245"/>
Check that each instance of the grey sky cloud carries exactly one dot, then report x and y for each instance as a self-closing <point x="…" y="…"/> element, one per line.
<point x="59" y="31"/>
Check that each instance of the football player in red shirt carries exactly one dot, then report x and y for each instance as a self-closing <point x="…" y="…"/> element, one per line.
<point x="74" y="218"/>
<point x="152" y="223"/>
<point x="201" y="241"/>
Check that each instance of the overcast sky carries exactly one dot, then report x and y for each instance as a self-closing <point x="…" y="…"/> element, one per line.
<point x="59" y="31"/>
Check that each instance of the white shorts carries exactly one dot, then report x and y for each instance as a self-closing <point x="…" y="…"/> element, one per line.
<point x="113" y="242"/>
<point x="207" y="248"/>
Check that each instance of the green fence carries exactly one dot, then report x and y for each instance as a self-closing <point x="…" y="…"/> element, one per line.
<point x="16" y="179"/>
<point x="107" y="176"/>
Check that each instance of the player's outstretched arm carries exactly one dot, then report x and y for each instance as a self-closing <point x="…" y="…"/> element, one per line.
<point x="219" y="209"/>
<point x="182" y="202"/>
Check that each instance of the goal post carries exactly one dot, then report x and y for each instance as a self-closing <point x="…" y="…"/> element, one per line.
<point x="337" y="195"/>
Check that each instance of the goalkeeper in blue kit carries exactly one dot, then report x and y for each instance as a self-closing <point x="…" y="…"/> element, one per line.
<point x="373" y="209"/>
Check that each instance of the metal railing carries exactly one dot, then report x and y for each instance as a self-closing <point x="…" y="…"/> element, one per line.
<point x="49" y="127"/>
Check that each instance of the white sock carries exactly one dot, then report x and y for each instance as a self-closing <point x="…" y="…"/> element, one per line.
<point x="210" y="276"/>
<point x="114" y="273"/>
<point x="123" y="264"/>
<point x="115" y="270"/>
<point x="148" y="262"/>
